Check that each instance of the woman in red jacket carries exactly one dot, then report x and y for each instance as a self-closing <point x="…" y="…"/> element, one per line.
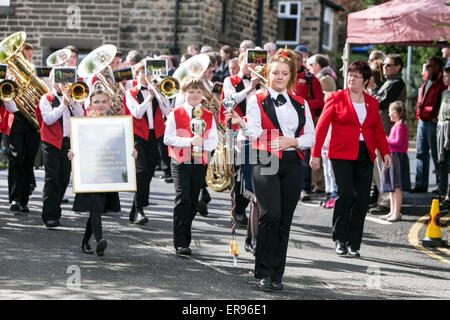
<point x="280" y="127"/>
<point x="356" y="131"/>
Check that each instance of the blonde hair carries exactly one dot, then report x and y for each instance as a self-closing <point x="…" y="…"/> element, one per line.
<point x="190" y="82"/>
<point x="286" y="56"/>
<point x="98" y="92"/>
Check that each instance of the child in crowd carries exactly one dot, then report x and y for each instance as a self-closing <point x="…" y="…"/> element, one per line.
<point x="397" y="177"/>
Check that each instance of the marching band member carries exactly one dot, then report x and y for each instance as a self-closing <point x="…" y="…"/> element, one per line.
<point x="148" y="125"/>
<point x="73" y="60"/>
<point x="241" y="87"/>
<point x="188" y="174"/>
<point x="280" y="126"/>
<point x="96" y="203"/>
<point x="54" y="111"/>
<point x="23" y="142"/>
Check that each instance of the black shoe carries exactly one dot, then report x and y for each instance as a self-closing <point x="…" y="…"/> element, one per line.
<point x="168" y="180"/>
<point x="249" y="248"/>
<point x="24" y="209"/>
<point x="101" y="246"/>
<point x="140" y="218"/>
<point x="277" y="285"/>
<point x="15" y="206"/>
<point x="352" y="252"/>
<point x="52" y="223"/>
<point x="202" y="208"/>
<point x="379" y="210"/>
<point x="436" y="191"/>
<point x="183" y="251"/>
<point x="340" y="248"/>
<point x="65" y="200"/>
<point x="86" y="248"/>
<point x="241" y="219"/>
<point x="418" y="190"/>
<point x="265" y="284"/>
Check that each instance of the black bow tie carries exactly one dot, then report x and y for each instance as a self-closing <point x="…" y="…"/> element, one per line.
<point x="246" y="77"/>
<point x="59" y="94"/>
<point x="279" y="101"/>
<point x="143" y="88"/>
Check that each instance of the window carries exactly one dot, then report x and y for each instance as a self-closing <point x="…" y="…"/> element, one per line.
<point x="289" y="13"/>
<point x="327" y="39"/>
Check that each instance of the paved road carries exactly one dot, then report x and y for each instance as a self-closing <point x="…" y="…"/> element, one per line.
<point x="139" y="263"/>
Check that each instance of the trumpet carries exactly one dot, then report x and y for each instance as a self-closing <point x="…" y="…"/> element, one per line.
<point x="78" y="92"/>
<point x="8" y="90"/>
<point x="168" y="86"/>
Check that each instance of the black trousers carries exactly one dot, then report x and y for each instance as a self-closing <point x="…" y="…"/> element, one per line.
<point x="187" y="180"/>
<point x="353" y="180"/>
<point x="93" y="226"/>
<point x="57" y="176"/>
<point x="277" y="196"/>
<point x="164" y="153"/>
<point x="145" y="167"/>
<point x="23" y="144"/>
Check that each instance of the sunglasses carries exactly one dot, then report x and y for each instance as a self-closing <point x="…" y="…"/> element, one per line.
<point x="388" y="65"/>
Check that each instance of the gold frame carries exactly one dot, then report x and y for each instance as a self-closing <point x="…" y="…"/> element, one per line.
<point x="78" y="187"/>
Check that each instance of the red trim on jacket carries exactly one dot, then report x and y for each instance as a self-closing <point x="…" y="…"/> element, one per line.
<point x="302" y="90"/>
<point x="346" y="128"/>
<point x="270" y="132"/>
<point x="183" y="126"/>
<point x="140" y="126"/>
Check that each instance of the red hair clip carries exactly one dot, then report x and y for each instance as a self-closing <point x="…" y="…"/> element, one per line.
<point x="284" y="54"/>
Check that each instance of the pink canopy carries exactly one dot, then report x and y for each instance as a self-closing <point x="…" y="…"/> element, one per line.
<point x="400" y="22"/>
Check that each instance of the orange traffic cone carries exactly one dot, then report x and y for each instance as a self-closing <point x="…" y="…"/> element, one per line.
<point x="433" y="237"/>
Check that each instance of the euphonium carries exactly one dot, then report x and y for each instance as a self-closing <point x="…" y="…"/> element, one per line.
<point x="97" y="63"/>
<point x="31" y="88"/>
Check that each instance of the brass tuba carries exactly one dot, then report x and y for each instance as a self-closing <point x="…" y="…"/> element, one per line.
<point x="97" y="63"/>
<point x="8" y="90"/>
<point x="31" y="88"/>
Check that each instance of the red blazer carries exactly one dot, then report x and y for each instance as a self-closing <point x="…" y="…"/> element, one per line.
<point x="345" y="128"/>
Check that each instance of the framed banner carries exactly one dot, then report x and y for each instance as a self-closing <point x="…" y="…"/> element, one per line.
<point x="102" y="148"/>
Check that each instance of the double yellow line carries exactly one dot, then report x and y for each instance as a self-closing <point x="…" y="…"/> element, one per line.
<point x="413" y="238"/>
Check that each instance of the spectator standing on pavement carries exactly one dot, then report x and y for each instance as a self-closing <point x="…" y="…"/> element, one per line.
<point x="443" y="136"/>
<point x="428" y="104"/>
<point x="356" y="133"/>
<point x="246" y="44"/>
<point x="374" y="56"/>
<point x="319" y="65"/>
<point x="392" y="90"/>
<point x="396" y="178"/>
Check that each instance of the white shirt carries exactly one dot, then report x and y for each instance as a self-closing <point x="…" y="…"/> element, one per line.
<point x="361" y="111"/>
<point x="11" y="106"/>
<point x="229" y="89"/>
<point x="171" y="138"/>
<point x="287" y="118"/>
<point x="138" y="110"/>
<point x="50" y="115"/>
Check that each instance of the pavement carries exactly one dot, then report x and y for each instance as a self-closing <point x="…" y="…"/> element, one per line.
<point x="140" y="262"/>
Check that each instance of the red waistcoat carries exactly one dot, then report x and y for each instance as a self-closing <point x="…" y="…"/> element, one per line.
<point x="240" y="108"/>
<point x="182" y="121"/>
<point x="270" y="131"/>
<point x="52" y="134"/>
<point x="140" y="126"/>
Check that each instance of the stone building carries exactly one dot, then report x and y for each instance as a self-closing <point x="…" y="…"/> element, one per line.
<point x="168" y="27"/>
